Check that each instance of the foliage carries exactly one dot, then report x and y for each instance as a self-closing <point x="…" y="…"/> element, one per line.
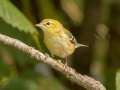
<point x="118" y="80"/>
<point x="94" y="23"/>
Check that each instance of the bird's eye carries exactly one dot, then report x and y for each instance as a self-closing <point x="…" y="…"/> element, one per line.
<point x="48" y="23"/>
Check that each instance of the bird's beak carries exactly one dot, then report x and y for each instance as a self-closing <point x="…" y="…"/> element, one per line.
<point x="38" y="25"/>
<point x="41" y="26"/>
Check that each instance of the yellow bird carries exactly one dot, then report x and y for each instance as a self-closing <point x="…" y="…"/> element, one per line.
<point x="59" y="41"/>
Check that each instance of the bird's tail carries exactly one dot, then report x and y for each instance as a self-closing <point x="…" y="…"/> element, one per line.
<point x="80" y="45"/>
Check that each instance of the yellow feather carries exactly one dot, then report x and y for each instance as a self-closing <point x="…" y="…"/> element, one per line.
<point x="59" y="41"/>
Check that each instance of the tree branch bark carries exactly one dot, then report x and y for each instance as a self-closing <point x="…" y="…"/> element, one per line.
<point x="82" y="80"/>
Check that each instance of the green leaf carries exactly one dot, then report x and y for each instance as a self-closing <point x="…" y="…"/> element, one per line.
<point x="10" y="14"/>
<point x="118" y="80"/>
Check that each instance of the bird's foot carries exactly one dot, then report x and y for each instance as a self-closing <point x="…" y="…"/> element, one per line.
<point x="46" y="55"/>
<point x="65" y="64"/>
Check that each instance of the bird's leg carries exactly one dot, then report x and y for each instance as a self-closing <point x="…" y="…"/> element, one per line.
<point x="65" y="64"/>
<point x="66" y="61"/>
<point x="46" y="55"/>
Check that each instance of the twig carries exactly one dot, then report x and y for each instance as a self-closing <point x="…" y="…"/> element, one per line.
<point x="82" y="80"/>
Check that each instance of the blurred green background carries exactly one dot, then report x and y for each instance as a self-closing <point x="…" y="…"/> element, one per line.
<point x="95" y="23"/>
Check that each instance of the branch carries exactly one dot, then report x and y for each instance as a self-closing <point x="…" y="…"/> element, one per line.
<point x="82" y="80"/>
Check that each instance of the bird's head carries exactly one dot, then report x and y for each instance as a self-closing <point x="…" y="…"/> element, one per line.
<point x="49" y="25"/>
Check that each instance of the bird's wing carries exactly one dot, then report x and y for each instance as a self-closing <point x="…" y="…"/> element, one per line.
<point x="72" y="39"/>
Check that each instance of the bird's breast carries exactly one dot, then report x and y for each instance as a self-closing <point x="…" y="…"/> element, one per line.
<point x="59" y="45"/>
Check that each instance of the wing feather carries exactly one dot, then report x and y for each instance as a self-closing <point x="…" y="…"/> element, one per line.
<point x="73" y="40"/>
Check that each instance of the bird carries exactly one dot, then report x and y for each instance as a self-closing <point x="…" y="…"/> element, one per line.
<point x="59" y="41"/>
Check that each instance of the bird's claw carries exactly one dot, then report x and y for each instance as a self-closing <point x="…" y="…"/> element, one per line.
<point x="46" y="55"/>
